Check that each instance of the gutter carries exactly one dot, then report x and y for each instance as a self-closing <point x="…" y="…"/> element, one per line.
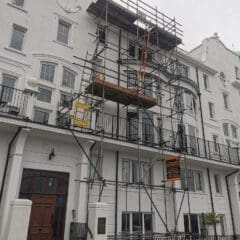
<point x="7" y="163"/>
<point x="229" y="200"/>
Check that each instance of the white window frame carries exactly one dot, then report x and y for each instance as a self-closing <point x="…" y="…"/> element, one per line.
<point x="48" y="89"/>
<point x="217" y="177"/>
<point x="22" y="29"/>
<point x="211" y="110"/>
<point x="41" y="110"/>
<point x="206" y="83"/>
<point x="142" y="173"/>
<point x="67" y="24"/>
<point x="55" y="71"/>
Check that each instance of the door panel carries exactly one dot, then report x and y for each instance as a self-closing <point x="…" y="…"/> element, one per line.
<point x="42" y="217"/>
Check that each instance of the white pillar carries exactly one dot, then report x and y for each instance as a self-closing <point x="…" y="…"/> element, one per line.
<point x="83" y="169"/>
<point x="235" y="201"/>
<point x="13" y="180"/>
<point x="98" y="220"/>
<point x="18" y="222"/>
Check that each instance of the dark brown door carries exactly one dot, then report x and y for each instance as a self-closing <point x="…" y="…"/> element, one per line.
<point x="42" y="217"/>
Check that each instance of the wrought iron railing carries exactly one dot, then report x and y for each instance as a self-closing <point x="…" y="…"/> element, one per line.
<point x="177" y="236"/>
<point x="13" y="102"/>
<point x="148" y="135"/>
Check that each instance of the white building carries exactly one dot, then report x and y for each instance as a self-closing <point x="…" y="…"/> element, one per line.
<point x="49" y="162"/>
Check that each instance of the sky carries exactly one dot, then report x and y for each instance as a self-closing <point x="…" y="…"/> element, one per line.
<point x="202" y="18"/>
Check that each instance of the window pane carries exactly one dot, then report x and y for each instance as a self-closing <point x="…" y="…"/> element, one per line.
<point x="132" y="126"/>
<point x="125" y="222"/>
<point x="132" y="80"/>
<point x="66" y="101"/>
<point x="194" y="223"/>
<point x="190" y="180"/>
<point x="148" y="222"/>
<point x="17" y="38"/>
<point x="137" y="222"/>
<point x="198" y="181"/>
<point x="63" y="32"/>
<point x="132" y="49"/>
<point x="18" y="2"/>
<point x="41" y="116"/>
<point x="147" y="173"/>
<point x="217" y="184"/>
<point x="44" y="95"/>
<point x="148" y="87"/>
<point x="225" y="129"/>
<point x="147" y="128"/>
<point x="47" y="71"/>
<point x="7" y="90"/>
<point x="135" y="172"/>
<point x="102" y="34"/>
<point x="68" y="78"/>
<point x="186" y="223"/>
<point x="222" y="225"/>
<point x="126" y="171"/>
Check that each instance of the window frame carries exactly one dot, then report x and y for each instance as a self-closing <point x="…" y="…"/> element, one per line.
<point x="226" y="129"/>
<point x="211" y="109"/>
<point x="68" y="25"/>
<point x="20" y="6"/>
<point x="20" y="29"/>
<point x="217" y="184"/>
<point x="237" y="73"/>
<point x="234" y="131"/>
<point x="216" y="143"/>
<point x="45" y="89"/>
<point x="206" y="82"/>
<point x="226" y="101"/>
<point x="101" y="33"/>
<point x="42" y="111"/>
<point x="64" y="82"/>
<point x="54" y="72"/>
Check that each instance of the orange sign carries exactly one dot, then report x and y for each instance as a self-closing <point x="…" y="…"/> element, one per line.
<point x="173" y="168"/>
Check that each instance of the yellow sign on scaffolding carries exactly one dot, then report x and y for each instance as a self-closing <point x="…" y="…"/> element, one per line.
<point x="81" y="114"/>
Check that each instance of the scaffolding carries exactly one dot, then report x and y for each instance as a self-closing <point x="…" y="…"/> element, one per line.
<point x="138" y="74"/>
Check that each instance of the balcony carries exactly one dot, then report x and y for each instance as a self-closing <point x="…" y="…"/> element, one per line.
<point x="129" y="130"/>
<point x="13" y="102"/>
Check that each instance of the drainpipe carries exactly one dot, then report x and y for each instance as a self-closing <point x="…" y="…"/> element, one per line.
<point x="211" y="198"/>
<point x="230" y="204"/>
<point x="201" y="112"/>
<point x="116" y="196"/>
<point x="7" y="162"/>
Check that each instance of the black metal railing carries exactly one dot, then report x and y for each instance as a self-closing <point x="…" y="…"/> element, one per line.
<point x="173" y="236"/>
<point x="130" y="130"/>
<point x="13" y="102"/>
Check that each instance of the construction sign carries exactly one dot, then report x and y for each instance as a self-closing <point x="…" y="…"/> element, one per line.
<point x="173" y="169"/>
<point x="81" y="114"/>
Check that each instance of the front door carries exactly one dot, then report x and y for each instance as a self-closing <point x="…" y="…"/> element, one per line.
<point x="48" y="193"/>
<point x="42" y="216"/>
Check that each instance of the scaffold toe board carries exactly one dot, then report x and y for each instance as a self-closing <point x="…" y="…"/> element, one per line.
<point x="119" y="94"/>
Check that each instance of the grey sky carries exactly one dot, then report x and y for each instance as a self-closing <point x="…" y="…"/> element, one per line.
<point x="201" y="18"/>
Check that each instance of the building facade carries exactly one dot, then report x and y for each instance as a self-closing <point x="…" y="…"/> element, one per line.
<point x="94" y="97"/>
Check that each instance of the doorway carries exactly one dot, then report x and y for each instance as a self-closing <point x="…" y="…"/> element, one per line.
<point x="48" y="193"/>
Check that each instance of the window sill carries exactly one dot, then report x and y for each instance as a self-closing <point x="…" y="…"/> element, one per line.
<point x="220" y="195"/>
<point x="226" y="109"/>
<point x="207" y="90"/>
<point x="62" y="44"/>
<point x="17" y="7"/>
<point x="15" y="51"/>
<point x="46" y="83"/>
<point x="213" y="119"/>
<point x="43" y="105"/>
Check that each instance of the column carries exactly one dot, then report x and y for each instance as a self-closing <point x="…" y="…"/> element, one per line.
<point x="11" y="189"/>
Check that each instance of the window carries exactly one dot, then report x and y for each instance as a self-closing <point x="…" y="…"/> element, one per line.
<point x="137" y="222"/>
<point x="222" y="225"/>
<point x="19" y="3"/>
<point x="68" y="78"/>
<point x="237" y="72"/>
<point x="234" y="131"/>
<point x="47" y="71"/>
<point x="190" y="103"/>
<point x="102" y="34"/>
<point x="206" y="81"/>
<point x="225" y="129"/>
<point x="132" y="126"/>
<point x="217" y="182"/>
<point x="66" y="101"/>
<point x="7" y="89"/>
<point x="147" y="128"/>
<point x="226" y="101"/>
<point x="132" y="49"/>
<point x="132" y="80"/>
<point x="211" y="110"/>
<point x="181" y="70"/>
<point x="215" y="143"/>
<point x="192" y="139"/>
<point x="63" y="31"/>
<point x="179" y="101"/>
<point x="41" y="116"/>
<point x="194" y="180"/>
<point x="196" y="223"/>
<point x="44" y="95"/>
<point x="18" y="35"/>
<point x="130" y="171"/>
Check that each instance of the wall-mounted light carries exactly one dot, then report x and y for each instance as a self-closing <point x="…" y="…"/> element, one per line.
<point x="51" y="155"/>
